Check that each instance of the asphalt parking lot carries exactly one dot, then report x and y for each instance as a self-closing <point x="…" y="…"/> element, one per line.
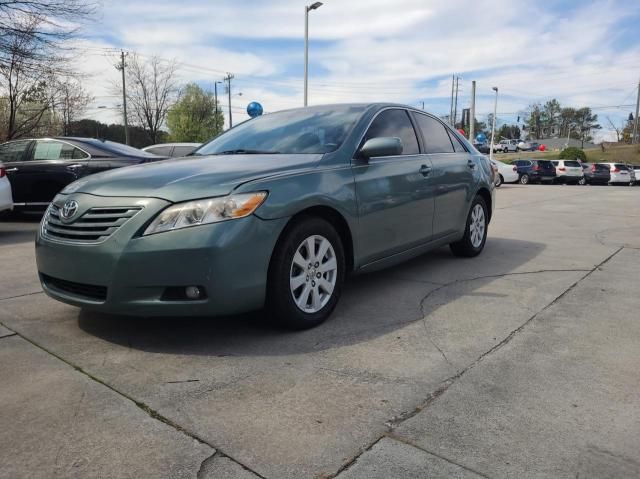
<point x="522" y="362"/>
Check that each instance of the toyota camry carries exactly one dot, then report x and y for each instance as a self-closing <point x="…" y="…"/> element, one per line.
<point x="272" y="214"/>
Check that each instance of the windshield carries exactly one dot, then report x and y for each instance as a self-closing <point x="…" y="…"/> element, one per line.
<point x="305" y="130"/>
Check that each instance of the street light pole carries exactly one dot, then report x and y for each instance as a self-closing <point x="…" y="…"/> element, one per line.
<point x="215" y="94"/>
<point x="493" y="126"/>
<point x="307" y="9"/>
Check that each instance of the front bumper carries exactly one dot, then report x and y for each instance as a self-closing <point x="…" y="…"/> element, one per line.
<point x="230" y="260"/>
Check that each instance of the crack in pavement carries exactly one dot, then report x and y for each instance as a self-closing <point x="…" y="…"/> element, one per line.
<point x="22" y="295"/>
<point x="447" y="383"/>
<point x="144" y="407"/>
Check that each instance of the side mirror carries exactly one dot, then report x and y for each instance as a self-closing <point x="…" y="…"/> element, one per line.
<point x="383" y="146"/>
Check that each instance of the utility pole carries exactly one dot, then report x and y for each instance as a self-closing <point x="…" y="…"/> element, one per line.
<point x="215" y="95"/>
<point x="472" y="113"/>
<point x="228" y="79"/>
<point x="121" y="66"/>
<point x="453" y="82"/>
<point x="423" y="106"/>
<point x="634" y="138"/>
<point x="455" y="107"/>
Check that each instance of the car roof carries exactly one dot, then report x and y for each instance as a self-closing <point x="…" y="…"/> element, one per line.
<point x="171" y="144"/>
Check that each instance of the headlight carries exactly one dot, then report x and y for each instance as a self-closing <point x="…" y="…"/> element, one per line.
<point x="209" y="210"/>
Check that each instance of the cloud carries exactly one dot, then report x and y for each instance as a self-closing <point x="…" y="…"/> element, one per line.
<point x="376" y="50"/>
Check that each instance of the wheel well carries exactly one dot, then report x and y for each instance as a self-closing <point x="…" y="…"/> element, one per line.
<point x="336" y="220"/>
<point x="486" y="196"/>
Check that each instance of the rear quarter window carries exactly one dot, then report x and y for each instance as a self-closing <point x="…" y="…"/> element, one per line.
<point x="620" y="166"/>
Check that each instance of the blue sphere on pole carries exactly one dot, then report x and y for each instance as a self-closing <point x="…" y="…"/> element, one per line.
<point x="254" y="109"/>
<point x="481" y="138"/>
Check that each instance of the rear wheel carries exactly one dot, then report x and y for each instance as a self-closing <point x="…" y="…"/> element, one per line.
<point x="475" y="233"/>
<point x="306" y="274"/>
<point x="524" y="179"/>
<point x="582" y="181"/>
<point x="499" y="180"/>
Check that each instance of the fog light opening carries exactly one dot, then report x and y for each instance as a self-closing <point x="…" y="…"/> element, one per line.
<point x="193" y="292"/>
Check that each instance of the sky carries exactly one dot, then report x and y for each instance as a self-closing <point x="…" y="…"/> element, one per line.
<point x="584" y="53"/>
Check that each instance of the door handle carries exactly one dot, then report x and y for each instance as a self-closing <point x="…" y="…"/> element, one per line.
<point x="9" y="170"/>
<point x="73" y="167"/>
<point x="425" y="170"/>
<point x="471" y="164"/>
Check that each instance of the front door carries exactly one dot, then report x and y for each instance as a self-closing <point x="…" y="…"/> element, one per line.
<point x="48" y="168"/>
<point x="395" y="198"/>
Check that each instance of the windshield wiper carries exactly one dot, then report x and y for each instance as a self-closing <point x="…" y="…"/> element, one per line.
<point x="247" y="152"/>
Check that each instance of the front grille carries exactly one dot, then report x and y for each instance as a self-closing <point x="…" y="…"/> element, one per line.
<point x="90" y="291"/>
<point x="94" y="226"/>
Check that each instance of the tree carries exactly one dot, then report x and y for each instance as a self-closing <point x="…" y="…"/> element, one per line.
<point x="195" y="117"/>
<point x="617" y="129"/>
<point x="151" y="89"/>
<point x="534" y="127"/>
<point x="71" y="100"/>
<point x="573" y="153"/>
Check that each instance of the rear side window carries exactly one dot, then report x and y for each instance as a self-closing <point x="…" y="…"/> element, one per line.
<point x="56" y="150"/>
<point x="160" y="150"/>
<point x="571" y="163"/>
<point x="600" y="166"/>
<point x="436" y="138"/>
<point x="179" y="151"/>
<point x="395" y="123"/>
<point x="555" y="163"/>
<point x="13" y="151"/>
<point x="457" y="144"/>
<point x="620" y="166"/>
<point x="545" y="164"/>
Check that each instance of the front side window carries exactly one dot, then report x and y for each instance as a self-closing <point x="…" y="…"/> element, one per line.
<point x="13" y="151"/>
<point x="436" y="138"/>
<point x="160" y="150"/>
<point x="57" y="150"/>
<point x="395" y="123"/>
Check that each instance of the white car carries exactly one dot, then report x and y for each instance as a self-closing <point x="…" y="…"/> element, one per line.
<point x="620" y="174"/>
<point x="636" y="169"/>
<point x="505" y="146"/>
<point x="173" y="150"/>
<point x="568" y="171"/>
<point x="505" y="173"/>
<point x="6" y="199"/>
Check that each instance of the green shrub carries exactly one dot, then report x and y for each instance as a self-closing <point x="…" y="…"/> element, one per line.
<point x="573" y="153"/>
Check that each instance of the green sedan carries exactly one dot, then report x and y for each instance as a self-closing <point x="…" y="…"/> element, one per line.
<point x="273" y="214"/>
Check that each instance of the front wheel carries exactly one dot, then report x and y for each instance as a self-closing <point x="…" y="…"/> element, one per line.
<point x="475" y="233"/>
<point x="306" y="274"/>
<point x="524" y="179"/>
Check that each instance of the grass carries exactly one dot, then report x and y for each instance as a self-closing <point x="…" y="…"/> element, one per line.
<point x="612" y="154"/>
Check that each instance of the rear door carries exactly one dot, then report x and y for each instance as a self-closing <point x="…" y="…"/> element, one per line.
<point x="395" y="197"/>
<point x="49" y="167"/>
<point x="452" y="175"/>
<point x="13" y="154"/>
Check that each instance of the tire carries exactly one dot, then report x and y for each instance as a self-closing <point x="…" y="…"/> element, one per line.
<point x="475" y="231"/>
<point x="309" y="303"/>
<point x="582" y="181"/>
<point x="524" y="179"/>
<point x="517" y="149"/>
<point x="499" y="181"/>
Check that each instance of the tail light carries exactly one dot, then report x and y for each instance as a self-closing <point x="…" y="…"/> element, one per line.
<point x="593" y="168"/>
<point x="562" y="168"/>
<point x="536" y="168"/>
<point x="3" y="173"/>
<point x="615" y="170"/>
<point x="515" y="168"/>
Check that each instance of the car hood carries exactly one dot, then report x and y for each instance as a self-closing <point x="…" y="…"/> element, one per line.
<point x="190" y="178"/>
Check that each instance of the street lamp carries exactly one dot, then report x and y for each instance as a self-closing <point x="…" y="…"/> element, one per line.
<point x="493" y="126"/>
<point x="307" y="9"/>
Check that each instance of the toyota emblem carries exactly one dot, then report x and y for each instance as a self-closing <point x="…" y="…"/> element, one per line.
<point x="69" y="209"/>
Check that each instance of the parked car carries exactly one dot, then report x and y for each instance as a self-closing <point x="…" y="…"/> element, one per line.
<point x="505" y="173"/>
<point x="505" y="146"/>
<point x="482" y="148"/>
<point x="620" y="174"/>
<point x="274" y="212"/>
<point x="524" y="145"/>
<point x="173" y="150"/>
<point x="568" y="171"/>
<point x="632" y="172"/>
<point x="595" y="174"/>
<point x="6" y="201"/>
<point x="636" y="169"/>
<point x="39" y="168"/>
<point x="535" y="171"/>
<point x="534" y="146"/>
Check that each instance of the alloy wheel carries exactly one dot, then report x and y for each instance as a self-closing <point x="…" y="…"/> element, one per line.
<point x="477" y="226"/>
<point x="313" y="274"/>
